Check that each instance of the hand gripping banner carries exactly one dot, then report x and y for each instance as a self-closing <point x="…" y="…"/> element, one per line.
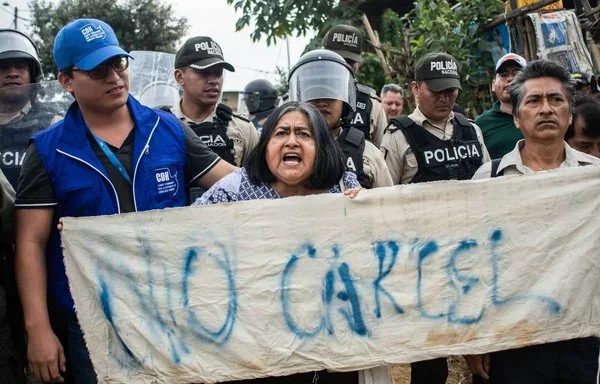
<point x="275" y="287"/>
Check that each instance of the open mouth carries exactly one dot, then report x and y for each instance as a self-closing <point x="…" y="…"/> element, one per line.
<point x="115" y="90"/>
<point x="292" y="158"/>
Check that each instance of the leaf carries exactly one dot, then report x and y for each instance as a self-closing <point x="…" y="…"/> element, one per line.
<point x="139" y="24"/>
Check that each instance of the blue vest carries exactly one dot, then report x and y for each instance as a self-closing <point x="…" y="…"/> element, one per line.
<point x="83" y="188"/>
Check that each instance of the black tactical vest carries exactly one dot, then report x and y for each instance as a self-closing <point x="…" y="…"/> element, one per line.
<point x="352" y="142"/>
<point x="260" y="118"/>
<point x="454" y="159"/>
<point x="14" y="139"/>
<point x="214" y="134"/>
<point x="361" y="119"/>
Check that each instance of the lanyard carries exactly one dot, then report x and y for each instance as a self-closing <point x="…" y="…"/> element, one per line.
<point x="112" y="158"/>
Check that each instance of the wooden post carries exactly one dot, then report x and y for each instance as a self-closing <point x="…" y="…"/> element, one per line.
<point x="375" y="42"/>
<point x="515" y="13"/>
<point x="595" y="53"/>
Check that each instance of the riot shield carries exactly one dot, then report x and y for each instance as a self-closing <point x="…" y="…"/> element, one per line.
<point x="151" y="78"/>
<point x="26" y="110"/>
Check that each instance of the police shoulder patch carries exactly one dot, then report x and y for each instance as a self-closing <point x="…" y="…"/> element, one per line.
<point x="384" y="152"/>
<point x="241" y="117"/>
<point x="375" y="97"/>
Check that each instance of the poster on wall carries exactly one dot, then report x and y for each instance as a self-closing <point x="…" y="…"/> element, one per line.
<point x="559" y="38"/>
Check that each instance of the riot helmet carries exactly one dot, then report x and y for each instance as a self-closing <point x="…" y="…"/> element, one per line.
<point x="323" y="74"/>
<point x="15" y="45"/>
<point x="259" y="96"/>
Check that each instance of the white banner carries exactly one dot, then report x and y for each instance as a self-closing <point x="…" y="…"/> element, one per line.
<point x="267" y="288"/>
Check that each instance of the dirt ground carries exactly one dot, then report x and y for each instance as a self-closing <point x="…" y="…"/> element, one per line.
<point x="459" y="372"/>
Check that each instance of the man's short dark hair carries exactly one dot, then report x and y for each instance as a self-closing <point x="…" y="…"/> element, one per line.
<point x="588" y="109"/>
<point x="68" y="71"/>
<point x="537" y="69"/>
<point x="329" y="161"/>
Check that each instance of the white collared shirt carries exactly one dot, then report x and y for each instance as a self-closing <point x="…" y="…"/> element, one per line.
<point x="512" y="164"/>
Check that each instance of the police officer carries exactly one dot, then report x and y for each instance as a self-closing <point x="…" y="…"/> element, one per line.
<point x="323" y="78"/>
<point x="369" y="116"/>
<point x="9" y="365"/>
<point x="433" y="143"/>
<point x="260" y="98"/>
<point x="199" y="68"/>
<point x="20" y="115"/>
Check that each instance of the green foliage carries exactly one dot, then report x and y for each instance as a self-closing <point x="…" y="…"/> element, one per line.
<point x="138" y="24"/>
<point x="438" y="26"/>
<point x="282" y="85"/>
<point x="277" y="19"/>
<point x="371" y="72"/>
<point x="452" y="26"/>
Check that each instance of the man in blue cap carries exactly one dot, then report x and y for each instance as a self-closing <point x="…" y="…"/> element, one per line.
<point x="109" y="155"/>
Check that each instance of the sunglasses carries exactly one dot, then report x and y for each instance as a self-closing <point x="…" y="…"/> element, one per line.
<point x="119" y="65"/>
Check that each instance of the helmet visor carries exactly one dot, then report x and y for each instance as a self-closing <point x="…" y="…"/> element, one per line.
<point x="323" y="79"/>
<point x="251" y="101"/>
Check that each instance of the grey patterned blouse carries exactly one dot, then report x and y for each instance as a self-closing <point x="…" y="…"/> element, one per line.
<point x="237" y="187"/>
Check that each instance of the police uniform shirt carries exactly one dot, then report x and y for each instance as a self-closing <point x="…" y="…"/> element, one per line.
<point x="241" y="132"/>
<point x="6" y="118"/>
<point x="374" y="166"/>
<point x="12" y="155"/>
<point x="35" y="188"/>
<point x="512" y="163"/>
<point x="378" y="122"/>
<point x="400" y="158"/>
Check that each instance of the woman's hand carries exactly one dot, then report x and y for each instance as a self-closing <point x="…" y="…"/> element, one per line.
<point x="479" y="365"/>
<point x="352" y="192"/>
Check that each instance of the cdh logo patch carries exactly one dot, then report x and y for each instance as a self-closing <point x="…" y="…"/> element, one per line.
<point x="91" y="32"/>
<point x="166" y="182"/>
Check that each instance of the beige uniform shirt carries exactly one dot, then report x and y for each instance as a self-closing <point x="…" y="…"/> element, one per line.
<point x="378" y="122"/>
<point x="374" y="166"/>
<point x="6" y="118"/>
<point x="400" y="158"/>
<point x="241" y="132"/>
<point x="512" y="164"/>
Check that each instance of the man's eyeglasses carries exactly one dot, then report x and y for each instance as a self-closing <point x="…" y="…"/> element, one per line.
<point x="119" y="65"/>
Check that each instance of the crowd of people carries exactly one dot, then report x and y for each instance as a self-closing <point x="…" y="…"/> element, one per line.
<point x="102" y="156"/>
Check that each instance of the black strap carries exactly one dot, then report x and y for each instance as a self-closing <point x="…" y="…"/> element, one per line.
<point x="400" y="122"/>
<point x="495" y="164"/>
<point x="224" y="114"/>
<point x="355" y="137"/>
<point x="461" y="119"/>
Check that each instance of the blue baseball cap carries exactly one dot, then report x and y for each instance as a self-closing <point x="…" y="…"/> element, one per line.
<point x="85" y="43"/>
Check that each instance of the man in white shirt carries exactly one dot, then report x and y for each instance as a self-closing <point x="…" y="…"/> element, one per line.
<point x="542" y="96"/>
